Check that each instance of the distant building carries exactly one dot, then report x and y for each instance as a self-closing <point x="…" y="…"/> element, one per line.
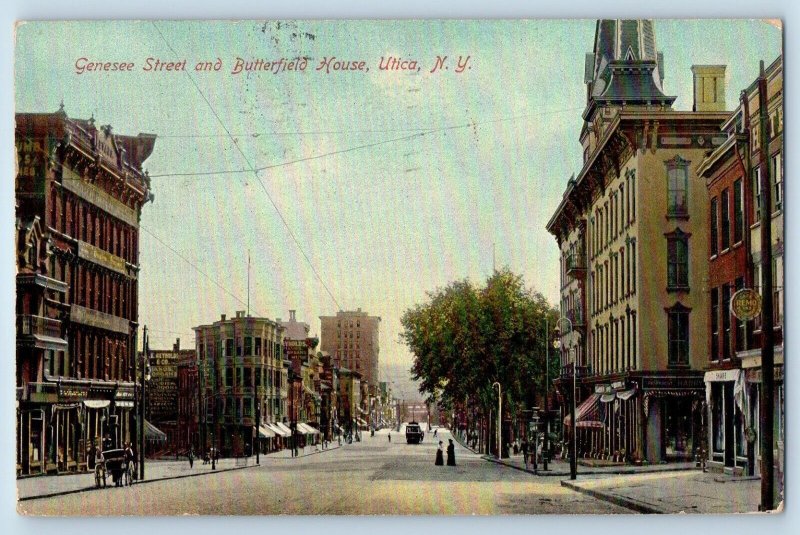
<point x="188" y="405"/>
<point x="163" y="393"/>
<point x="79" y="193"/>
<point x="352" y="340"/>
<point x="240" y="367"/>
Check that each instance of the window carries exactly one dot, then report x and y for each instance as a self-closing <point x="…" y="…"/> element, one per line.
<point x="777" y="179"/>
<point x="248" y="382"/>
<point x="714" y="228"/>
<point x="228" y="347"/>
<point x="228" y="373"/>
<point x="726" y="321"/>
<point x="714" y="323"/>
<point x="741" y="326"/>
<point x="726" y="219"/>
<point x="678" y="335"/>
<point x="258" y="346"/>
<point x="757" y="192"/>
<point x="633" y="265"/>
<point x="677" y="187"/>
<point x="633" y="196"/>
<point x="248" y="345"/>
<point x="677" y="260"/>
<point x="738" y="211"/>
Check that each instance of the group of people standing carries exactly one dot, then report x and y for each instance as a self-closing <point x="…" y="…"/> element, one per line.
<point x="451" y="454"/>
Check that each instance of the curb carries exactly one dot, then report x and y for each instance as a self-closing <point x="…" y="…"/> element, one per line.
<point x="548" y="473"/>
<point x="168" y="478"/>
<point x="619" y="472"/>
<point x="616" y="500"/>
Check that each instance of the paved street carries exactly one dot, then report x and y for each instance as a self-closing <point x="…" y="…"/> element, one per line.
<point x="370" y="477"/>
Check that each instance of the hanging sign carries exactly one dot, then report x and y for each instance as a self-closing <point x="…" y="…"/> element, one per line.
<point x="746" y="304"/>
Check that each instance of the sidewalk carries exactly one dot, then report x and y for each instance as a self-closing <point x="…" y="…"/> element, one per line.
<point x="560" y="468"/>
<point x="674" y="492"/>
<point x="155" y="470"/>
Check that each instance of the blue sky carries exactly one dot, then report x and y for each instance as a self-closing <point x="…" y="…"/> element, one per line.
<point x="381" y="224"/>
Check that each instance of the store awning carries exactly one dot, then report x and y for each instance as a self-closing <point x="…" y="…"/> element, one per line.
<point x="96" y="403"/>
<point x="153" y="433"/>
<point x="306" y="429"/>
<point x="278" y="430"/>
<point x="265" y="432"/>
<point x="626" y="395"/>
<point x="588" y="413"/>
<point x="286" y="431"/>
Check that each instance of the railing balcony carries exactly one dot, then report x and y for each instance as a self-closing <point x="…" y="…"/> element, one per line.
<point x="576" y="265"/>
<point x="28" y="325"/>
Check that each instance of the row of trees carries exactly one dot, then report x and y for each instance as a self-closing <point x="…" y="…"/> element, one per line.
<point x="466" y="337"/>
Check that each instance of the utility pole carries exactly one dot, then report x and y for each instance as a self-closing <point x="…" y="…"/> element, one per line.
<point x="145" y="364"/>
<point x="767" y="335"/>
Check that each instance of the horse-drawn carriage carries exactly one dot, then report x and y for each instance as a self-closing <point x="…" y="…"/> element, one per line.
<point x="117" y="463"/>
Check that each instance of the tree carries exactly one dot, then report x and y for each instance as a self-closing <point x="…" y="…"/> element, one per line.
<point x="465" y="338"/>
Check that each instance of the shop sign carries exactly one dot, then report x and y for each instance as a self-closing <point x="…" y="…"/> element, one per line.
<point x="603" y="389"/>
<point x="721" y="375"/>
<point x="746" y="304"/>
<point x="754" y="376"/>
<point x="71" y="393"/>
<point x="618" y="385"/>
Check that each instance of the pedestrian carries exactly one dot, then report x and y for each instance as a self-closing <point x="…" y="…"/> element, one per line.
<point x="439" y="455"/>
<point x="191" y="458"/>
<point x="451" y="453"/>
<point x="525" y="453"/>
<point x="435" y="431"/>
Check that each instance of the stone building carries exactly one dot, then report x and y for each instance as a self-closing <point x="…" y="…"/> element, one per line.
<point x="633" y="232"/>
<point x="352" y="339"/>
<point x="240" y="367"/>
<point x="79" y="194"/>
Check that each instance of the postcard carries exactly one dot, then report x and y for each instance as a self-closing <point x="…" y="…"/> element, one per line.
<point x="420" y="267"/>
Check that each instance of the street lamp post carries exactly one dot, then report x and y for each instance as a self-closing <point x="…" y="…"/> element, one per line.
<point x="145" y="376"/>
<point x="499" y="418"/>
<point x="573" y="460"/>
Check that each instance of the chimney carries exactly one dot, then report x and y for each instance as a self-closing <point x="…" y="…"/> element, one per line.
<point x="292" y="315"/>
<point x="176" y="346"/>
<point x="709" y="87"/>
<point x="223" y="318"/>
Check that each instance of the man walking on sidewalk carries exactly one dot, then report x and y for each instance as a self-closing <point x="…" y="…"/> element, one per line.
<point x="525" y="453"/>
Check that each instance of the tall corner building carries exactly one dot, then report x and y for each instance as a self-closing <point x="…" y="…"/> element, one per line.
<point x="351" y="338"/>
<point x="633" y="232"/>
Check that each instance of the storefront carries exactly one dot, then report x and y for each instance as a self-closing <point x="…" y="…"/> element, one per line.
<point x="729" y="418"/>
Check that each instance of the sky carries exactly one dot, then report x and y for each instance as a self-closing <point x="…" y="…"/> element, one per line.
<point x="372" y="188"/>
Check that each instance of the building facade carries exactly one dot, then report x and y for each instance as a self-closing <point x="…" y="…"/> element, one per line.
<point x="632" y="228"/>
<point x="352" y="339"/>
<point x="188" y="405"/>
<point x="163" y="400"/>
<point x="732" y="172"/>
<point x="240" y="370"/>
<point x="79" y="194"/>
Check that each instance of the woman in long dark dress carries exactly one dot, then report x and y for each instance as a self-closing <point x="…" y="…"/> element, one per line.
<point x="451" y="454"/>
<point x="439" y="455"/>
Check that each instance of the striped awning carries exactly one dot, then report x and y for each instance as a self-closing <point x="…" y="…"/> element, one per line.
<point x="285" y="431"/>
<point x="306" y="429"/>
<point x="587" y="414"/>
<point x="278" y="431"/>
<point x="265" y="432"/>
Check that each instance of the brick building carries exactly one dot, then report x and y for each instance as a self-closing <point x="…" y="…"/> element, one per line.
<point x="732" y="173"/>
<point x="79" y="193"/>
<point x="352" y="340"/>
<point x="163" y="392"/>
